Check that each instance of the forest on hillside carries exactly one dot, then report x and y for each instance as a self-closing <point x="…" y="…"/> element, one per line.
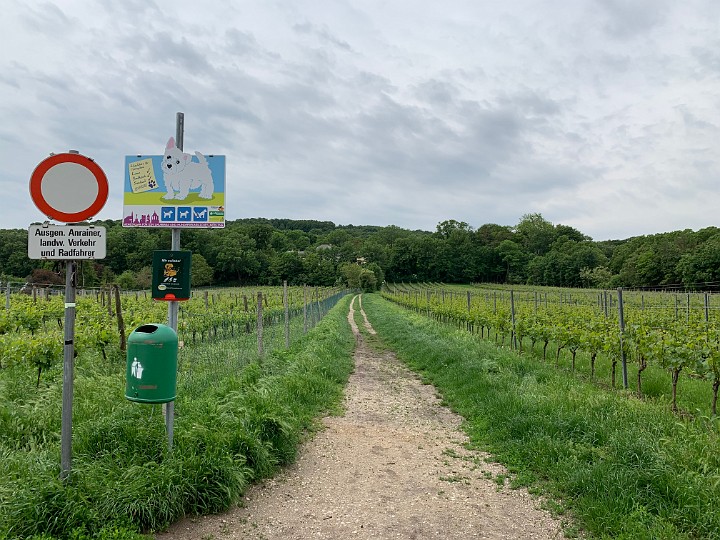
<point x="261" y="251"/>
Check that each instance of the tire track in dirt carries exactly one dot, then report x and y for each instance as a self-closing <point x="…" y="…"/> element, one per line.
<point x="394" y="465"/>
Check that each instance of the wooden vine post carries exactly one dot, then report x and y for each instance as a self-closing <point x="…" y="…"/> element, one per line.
<point x="120" y="320"/>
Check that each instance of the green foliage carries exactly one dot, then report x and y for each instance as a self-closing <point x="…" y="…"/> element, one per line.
<point x="621" y="467"/>
<point x="123" y="481"/>
<point x="270" y="251"/>
<point x="127" y="280"/>
<point x="359" y="278"/>
<point x="576" y="321"/>
<point x="201" y="274"/>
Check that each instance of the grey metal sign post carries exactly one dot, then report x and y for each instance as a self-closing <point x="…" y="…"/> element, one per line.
<point x="70" y="188"/>
<point x="173" y="305"/>
<point x="68" y="371"/>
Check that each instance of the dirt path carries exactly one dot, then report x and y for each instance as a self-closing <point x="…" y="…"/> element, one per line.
<point x="394" y="466"/>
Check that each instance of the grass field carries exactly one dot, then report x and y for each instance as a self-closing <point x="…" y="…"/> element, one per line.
<point x="616" y="466"/>
<point x="612" y="465"/>
<point x="229" y="431"/>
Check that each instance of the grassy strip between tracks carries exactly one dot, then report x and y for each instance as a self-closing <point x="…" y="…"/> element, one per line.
<point x="615" y="466"/>
<point x="236" y="431"/>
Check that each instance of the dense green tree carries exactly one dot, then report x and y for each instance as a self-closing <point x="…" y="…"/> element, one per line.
<point x="446" y="228"/>
<point x="387" y="236"/>
<point x="201" y="273"/>
<point x="535" y="233"/>
<point x="515" y="260"/>
<point x="564" y="263"/>
<point x="14" y="261"/>
<point x="318" y="270"/>
<point x="373" y="251"/>
<point x="378" y="273"/>
<point x="403" y="266"/>
<point x="236" y="259"/>
<point x="88" y="274"/>
<point x="357" y="277"/>
<point x="570" y="233"/>
<point x="280" y="242"/>
<point x="599" y="277"/>
<point x="261" y="233"/>
<point x="299" y="240"/>
<point x="426" y="255"/>
<point x="287" y="266"/>
<point x="127" y="280"/>
<point x="267" y="251"/>
<point x="493" y="235"/>
<point x="700" y="269"/>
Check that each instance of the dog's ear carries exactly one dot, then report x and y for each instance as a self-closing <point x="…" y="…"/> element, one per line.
<point x="170" y="144"/>
<point x="187" y="157"/>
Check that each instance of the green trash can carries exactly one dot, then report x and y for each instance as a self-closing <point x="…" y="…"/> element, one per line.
<point x="151" y="372"/>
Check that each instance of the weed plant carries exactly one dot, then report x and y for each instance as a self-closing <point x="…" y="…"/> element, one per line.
<point x="239" y="417"/>
<point x="619" y="467"/>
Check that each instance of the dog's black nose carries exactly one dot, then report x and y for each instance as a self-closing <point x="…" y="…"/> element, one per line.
<point x="169" y="165"/>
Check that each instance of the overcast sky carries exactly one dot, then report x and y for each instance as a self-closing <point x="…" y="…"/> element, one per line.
<point x="599" y="114"/>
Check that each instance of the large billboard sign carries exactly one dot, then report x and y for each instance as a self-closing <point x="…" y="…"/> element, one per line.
<point x="175" y="189"/>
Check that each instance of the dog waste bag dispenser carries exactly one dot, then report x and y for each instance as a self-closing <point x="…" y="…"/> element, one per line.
<point x="171" y="275"/>
<point x="151" y="364"/>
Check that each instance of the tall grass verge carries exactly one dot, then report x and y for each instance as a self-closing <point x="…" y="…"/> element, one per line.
<point x="622" y="468"/>
<point x="229" y="431"/>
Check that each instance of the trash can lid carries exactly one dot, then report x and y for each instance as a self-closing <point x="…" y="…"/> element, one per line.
<point x="153" y="332"/>
<point x="147" y="328"/>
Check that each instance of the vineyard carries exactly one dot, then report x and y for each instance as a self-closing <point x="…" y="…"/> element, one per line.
<point x="31" y="326"/>
<point x="257" y="366"/>
<point x="252" y="373"/>
<point x="614" y="466"/>
<point x="677" y="334"/>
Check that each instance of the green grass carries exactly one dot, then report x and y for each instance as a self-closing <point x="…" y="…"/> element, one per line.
<point x="155" y="198"/>
<point x="230" y="430"/>
<point x="620" y="467"/>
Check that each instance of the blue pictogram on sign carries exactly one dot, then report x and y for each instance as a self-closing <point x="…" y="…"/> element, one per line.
<point x="200" y="213"/>
<point x="184" y="213"/>
<point x="167" y="213"/>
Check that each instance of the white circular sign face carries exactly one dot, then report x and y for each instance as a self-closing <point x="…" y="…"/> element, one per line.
<point x="69" y="188"/>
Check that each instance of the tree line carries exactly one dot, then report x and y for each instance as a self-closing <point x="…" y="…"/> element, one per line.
<point x="262" y="251"/>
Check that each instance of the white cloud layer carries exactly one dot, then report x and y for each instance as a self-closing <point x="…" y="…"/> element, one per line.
<point x="599" y="114"/>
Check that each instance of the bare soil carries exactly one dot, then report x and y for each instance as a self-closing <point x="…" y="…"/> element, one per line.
<point x="395" y="465"/>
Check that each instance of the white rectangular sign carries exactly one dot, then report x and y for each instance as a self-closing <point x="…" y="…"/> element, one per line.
<point x="66" y="242"/>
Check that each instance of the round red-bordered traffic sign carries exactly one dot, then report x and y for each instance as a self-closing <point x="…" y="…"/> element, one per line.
<point x="69" y="187"/>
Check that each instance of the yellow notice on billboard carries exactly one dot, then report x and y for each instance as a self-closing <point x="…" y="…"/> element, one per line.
<point x="142" y="176"/>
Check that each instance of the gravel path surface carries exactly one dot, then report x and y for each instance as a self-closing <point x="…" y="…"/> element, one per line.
<point x="394" y="466"/>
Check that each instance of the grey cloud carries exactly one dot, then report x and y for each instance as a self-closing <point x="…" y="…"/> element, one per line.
<point x="47" y="18"/>
<point x="530" y="102"/>
<point x="436" y="91"/>
<point x="132" y="8"/>
<point x="708" y="58"/>
<point x="693" y="122"/>
<point x="323" y="33"/>
<point x="163" y="49"/>
<point x="241" y="43"/>
<point x="626" y="19"/>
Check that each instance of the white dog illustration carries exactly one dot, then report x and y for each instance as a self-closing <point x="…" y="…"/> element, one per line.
<point x="181" y="174"/>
